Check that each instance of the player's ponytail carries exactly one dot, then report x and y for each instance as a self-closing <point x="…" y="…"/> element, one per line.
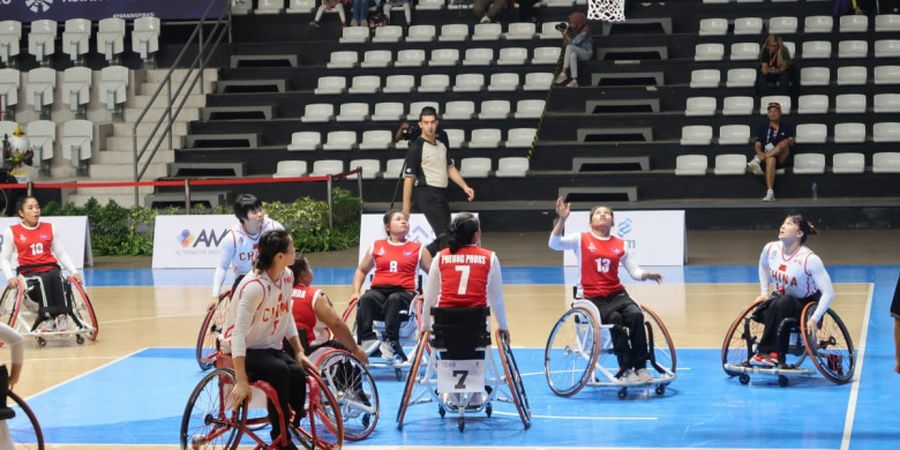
<point x="806" y="226"/>
<point x="271" y="244"/>
<point x="462" y="231"/>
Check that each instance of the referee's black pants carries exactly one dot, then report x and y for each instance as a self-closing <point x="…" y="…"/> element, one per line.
<point x="432" y="202"/>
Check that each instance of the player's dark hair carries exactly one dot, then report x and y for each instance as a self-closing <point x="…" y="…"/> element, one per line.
<point x="806" y="226"/>
<point x="462" y="231"/>
<point x="20" y="204"/>
<point x="428" y="111"/>
<point x="389" y="216"/>
<point x="245" y="203"/>
<point x="594" y="209"/>
<point x="270" y="244"/>
<point x="299" y="267"/>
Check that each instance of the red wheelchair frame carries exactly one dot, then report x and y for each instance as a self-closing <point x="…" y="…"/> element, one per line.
<point x="24" y="432"/>
<point x="82" y="311"/>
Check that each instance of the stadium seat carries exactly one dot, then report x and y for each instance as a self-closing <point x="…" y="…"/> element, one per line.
<point x="809" y="163"/>
<point x="812" y="133"/>
<point x="887" y="48"/>
<point x="389" y="111"/>
<point x="145" y="36"/>
<point x="485" y="138"/>
<point x="76" y="38"/>
<point x="520" y="137"/>
<point x="705" y="78"/>
<point x="76" y="88"/>
<point x="305" y="141"/>
<point x="700" y="106"/>
<point x="475" y="167"/>
<point x="520" y="31"/>
<point x="783" y="100"/>
<point x="812" y="104"/>
<point x="288" y="169"/>
<point x="40" y="87"/>
<point x="696" y="135"/>
<point x="548" y="30"/>
<point x="330" y="85"/>
<point x="744" y="51"/>
<point x="387" y="34"/>
<point x="734" y="134"/>
<point x="737" y="106"/>
<point x="512" y="56"/>
<point x="504" y="82"/>
<point x="300" y="6"/>
<point x="850" y="104"/>
<point x="730" y="164"/>
<point x="456" y="137"/>
<point x="371" y="168"/>
<point x="713" y="27"/>
<point x="340" y="140"/>
<point x="77" y="139"/>
<point x="10" y="35"/>
<point x="478" y="57"/>
<point x="469" y="82"/>
<point x="376" y="140"/>
<point x="111" y="38"/>
<point x="42" y="39"/>
<point x="740" y="78"/>
<point x="783" y="25"/>
<point x="354" y="35"/>
<point x="353" y="112"/>
<point x="815" y="76"/>
<point x="887" y="22"/>
<point x="421" y="33"/>
<point x="494" y="109"/>
<point x="816" y="50"/>
<point x="748" y="25"/>
<point x="691" y="165"/>
<point x="430" y="5"/>
<point x="376" y="58"/>
<point x="454" y="33"/>
<point x="343" y="60"/>
<point x="886" y="132"/>
<point x="416" y="107"/>
<point x="818" y="24"/>
<point x="887" y="75"/>
<point x="317" y="113"/>
<point x="392" y="168"/>
<point x="410" y="58"/>
<point x="324" y="167"/>
<point x="512" y="167"/>
<point x="538" y="81"/>
<point x="849" y="133"/>
<point x="365" y="84"/>
<point x="530" y="109"/>
<point x="444" y="57"/>
<point x="853" y="49"/>
<point x="459" y="110"/>
<point x="113" y="88"/>
<point x="848" y="163"/>
<point x="709" y="52"/>
<point x="265" y="7"/>
<point x="546" y="55"/>
<point x="41" y="137"/>
<point x="852" y="76"/>
<point x="886" y="103"/>
<point x="854" y="24"/>
<point x="487" y="32"/>
<point x="7" y="127"/>
<point x="399" y="84"/>
<point x="434" y="83"/>
<point x="886" y="162"/>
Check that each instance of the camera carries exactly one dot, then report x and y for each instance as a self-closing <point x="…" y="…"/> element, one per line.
<point x="407" y="132"/>
<point x="562" y="26"/>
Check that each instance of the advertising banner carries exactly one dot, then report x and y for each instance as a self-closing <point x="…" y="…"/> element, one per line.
<point x="60" y="10"/>
<point x="656" y="238"/>
<point x="72" y="231"/>
<point x="190" y="241"/>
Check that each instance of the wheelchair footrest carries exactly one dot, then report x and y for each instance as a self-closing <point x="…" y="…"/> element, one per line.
<point x="784" y="370"/>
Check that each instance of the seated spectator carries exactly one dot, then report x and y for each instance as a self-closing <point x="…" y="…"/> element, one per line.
<point x="488" y="9"/>
<point x="579" y="47"/>
<point x="846" y="7"/>
<point x="526" y="11"/>
<point x="386" y="6"/>
<point x="774" y="65"/>
<point x="772" y="148"/>
<point x="360" y="12"/>
<point x="328" y="5"/>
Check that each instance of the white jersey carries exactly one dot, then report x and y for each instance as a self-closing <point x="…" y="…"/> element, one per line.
<point x="239" y="251"/>
<point x="801" y="274"/>
<point x="259" y="315"/>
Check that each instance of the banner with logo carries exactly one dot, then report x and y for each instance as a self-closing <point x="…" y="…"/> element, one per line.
<point x="656" y="238"/>
<point x="72" y="231"/>
<point x="189" y="241"/>
<point x="61" y="10"/>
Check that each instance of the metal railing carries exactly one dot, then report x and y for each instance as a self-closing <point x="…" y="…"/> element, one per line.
<point x="163" y="130"/>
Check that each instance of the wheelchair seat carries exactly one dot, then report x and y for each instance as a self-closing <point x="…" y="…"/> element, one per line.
<point x="459" y="333"/>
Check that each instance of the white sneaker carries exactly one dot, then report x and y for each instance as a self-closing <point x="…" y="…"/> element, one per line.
<point x="47" y="326"/>
<point x="754" y="167"/>
<point x="386" y="351"/>
<point x="62" y="324"/>
<point x="770" y="196"/>
<point x="485" y="19"/>
<point x="643" y="375"/>
<point x="573" y="83"/>
<point x="629" y="377"/>
<point x="561" y="78"/>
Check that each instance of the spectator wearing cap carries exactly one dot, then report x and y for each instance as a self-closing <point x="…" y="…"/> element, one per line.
<point x="772" y="149"/>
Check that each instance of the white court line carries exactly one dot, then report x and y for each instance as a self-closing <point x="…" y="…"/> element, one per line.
<point x="541" y="416"/>
<point x="82" y="375"/>
<point x="531" y="374"/>
<point x="138" y="319"/>
<point x="857" y="375"/>
<point x="66" y="358"/>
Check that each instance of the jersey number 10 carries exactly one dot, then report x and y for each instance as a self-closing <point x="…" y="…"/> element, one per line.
<point x="37" y="248"/>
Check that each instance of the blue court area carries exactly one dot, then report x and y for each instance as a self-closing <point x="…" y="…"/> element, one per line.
<point x="140" y="399"/>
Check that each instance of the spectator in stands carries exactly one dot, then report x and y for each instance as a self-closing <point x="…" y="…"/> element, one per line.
<point x="430" y="169"/>
<point x="845" y="7"/>
<point x="360" y="11"/>
<point x="386" y="5"/>
<point x="328" y="5"/>
<point x="579" y="47"/>
<point x="773" y="148"/>
<point x="774" y="65"/>
<point x="488" y="9"/>
<point x="526" y="11"/>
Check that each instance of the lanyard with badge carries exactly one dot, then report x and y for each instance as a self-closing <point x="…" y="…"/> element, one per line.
<point x="771" y="136"/>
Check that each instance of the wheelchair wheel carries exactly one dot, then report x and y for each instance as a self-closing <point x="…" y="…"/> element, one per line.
<point x="24" y="429"/>
<point x="411" y="378"/>
<point x="323" y="426"/>
<point x="514" y="380"/>
<point x="207" y="423"/>
<point x="208" y="338"/>
<point x="571" y="352"/>
<point x="10" y="303"/>
<point x="349" y="316"/>
<point x="83" y="309"/>
<point x="830" y="346"/>
<point x="353" y="386"/>
<point x="662" y="349"/>
<point x="741" y="339"/>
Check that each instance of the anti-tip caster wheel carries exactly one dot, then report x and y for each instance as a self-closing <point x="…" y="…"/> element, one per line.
<point x="41" y="342"/>
<point x="79" y="339"/>
<point x="398" y="374"/>
<point x="442" y="411"/>
<point x="783" y="381"/>
<point x="462" y="425"/>
<point x="744" y="378"/>
<point x="488" y="409"/>
<point x="661" y="389"/>
<point x="623" y="392"/>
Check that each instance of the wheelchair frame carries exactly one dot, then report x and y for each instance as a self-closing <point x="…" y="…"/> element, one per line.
<point x="407" y="328"/>
<point x="213" y="324"/>
<point x="25" y="435"/>
<point x="232" y="424"/>
<point x="494" y="379"/>
<point x="352" y="409"/>
<point x="828" y="362"/>
<point x="593" y="355"/>
<point x="15" y="311"/>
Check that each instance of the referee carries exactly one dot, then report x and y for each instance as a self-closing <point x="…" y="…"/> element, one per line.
<point x="429" y="169"/>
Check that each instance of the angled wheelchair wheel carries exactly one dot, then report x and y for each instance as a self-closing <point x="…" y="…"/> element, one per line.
<point x="323" y="426"/>
<point x="571" y="352"/>
<point x="11" y="302"/>
<point x="349" y="316"/>
<point x="741" y="339"/>
<point x="514" y="380"/>
<point x="411" y="378"/>
<point x="830" y="346"/>
<point x="83" y="309"/>
<point x="355" y="391"/>
<point x="662" y="349"/>
<point x="24" y="430"/>
<point x="207" y="422"/>
<point x="208" y="338"/>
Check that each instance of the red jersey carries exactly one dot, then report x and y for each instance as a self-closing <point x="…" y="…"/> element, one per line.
<point x="304" y="313"/>
<point x="396" y="264"/>
<point x="464" y="277"/>
<point x="34" y="245"/>
<point x="600" y="265"/>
